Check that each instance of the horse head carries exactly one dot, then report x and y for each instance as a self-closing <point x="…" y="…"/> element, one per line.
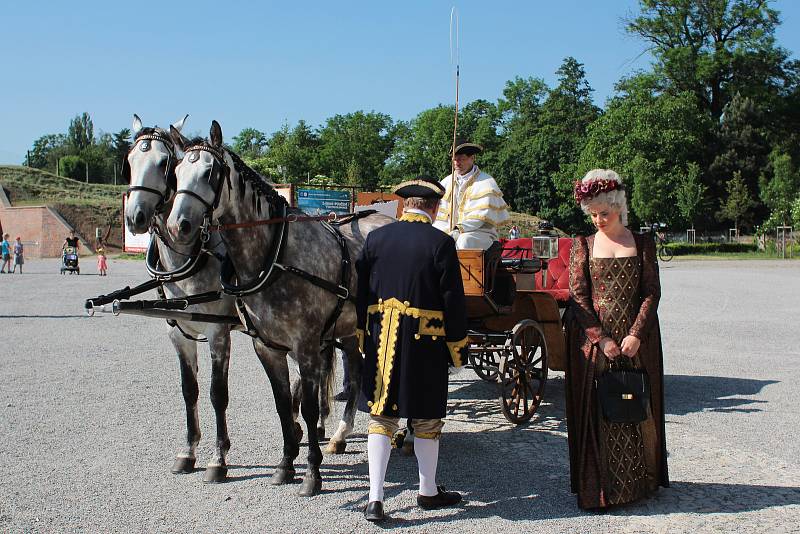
<point x="200" y="179"/>
<point x="149" y="169"/>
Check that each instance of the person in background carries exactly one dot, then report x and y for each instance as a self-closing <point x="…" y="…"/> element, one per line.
<point x="5" y="251"/>
<point x="71" y="241"/>
<point x="514" y="232"/>
<point x="102" y="265"/>
<point x="473" y="200"/>
<point x="19" y="259"/>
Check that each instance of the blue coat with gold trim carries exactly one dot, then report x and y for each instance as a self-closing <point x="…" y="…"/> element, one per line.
<point x="411" y="318"/>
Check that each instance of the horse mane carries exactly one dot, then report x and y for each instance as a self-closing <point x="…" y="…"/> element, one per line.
<point x="260" y="186"/>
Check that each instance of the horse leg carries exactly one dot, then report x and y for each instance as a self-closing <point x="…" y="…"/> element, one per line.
<point x="187" y="357"/>
<point x="310" y="375"/>
<point x="297" y="398"/>
<point x="338" y="442"/>
<point x="274" y="363"/>
<point x="326" y="388"/>
<point x="219" y="343"/>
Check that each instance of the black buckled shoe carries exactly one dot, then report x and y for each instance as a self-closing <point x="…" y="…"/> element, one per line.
<point x="442" y="499"/>
<point x="374" y="512"/>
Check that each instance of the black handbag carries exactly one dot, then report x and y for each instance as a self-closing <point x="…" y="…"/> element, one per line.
<point x="623" y="393"/>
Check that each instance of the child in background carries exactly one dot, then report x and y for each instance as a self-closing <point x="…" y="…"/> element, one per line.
<point x="102" y="265"/>
<point x="19" y="259"/>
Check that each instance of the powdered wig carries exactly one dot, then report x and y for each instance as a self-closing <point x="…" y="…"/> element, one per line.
<point x="616" y="198"/>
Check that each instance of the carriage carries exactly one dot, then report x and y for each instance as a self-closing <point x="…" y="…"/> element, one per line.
<point x="516" y="293"/>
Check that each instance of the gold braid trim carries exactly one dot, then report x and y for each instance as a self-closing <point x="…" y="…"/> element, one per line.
<point x="489" y="193"/>
<point x="415" y="217"/>
<point x="360" y="337"/>
<point x="390" y="323"/>
<point x="455" y="351"/>
<point x="482" y="207"/>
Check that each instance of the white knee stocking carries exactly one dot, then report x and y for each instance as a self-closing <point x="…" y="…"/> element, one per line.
<point x="379" y="447"/>
<point x="427" y="451"/>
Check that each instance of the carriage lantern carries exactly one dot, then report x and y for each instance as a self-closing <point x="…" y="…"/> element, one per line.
<point x="545" y="247"/>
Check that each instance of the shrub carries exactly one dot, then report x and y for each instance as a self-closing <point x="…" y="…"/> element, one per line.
<point x="682" y="249"/>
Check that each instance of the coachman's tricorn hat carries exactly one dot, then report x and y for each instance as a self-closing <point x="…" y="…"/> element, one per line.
<point x="421" y="186"/>
<point x="468" y="149"/>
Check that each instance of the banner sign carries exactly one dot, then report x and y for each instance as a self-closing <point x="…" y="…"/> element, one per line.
<point x="131" y="242"/>
<point x="323" y="201"/>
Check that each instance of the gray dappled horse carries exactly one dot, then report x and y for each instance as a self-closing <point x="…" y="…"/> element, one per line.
<point x="150" y="168"/>
<point x="289" y="312"/>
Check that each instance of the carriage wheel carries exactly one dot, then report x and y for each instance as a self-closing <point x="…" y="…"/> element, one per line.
<point x="485" y="363"/>
<point x="523" y="372"/>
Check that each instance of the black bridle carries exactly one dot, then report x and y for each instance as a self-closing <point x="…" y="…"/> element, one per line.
<point x="170" y="180"/>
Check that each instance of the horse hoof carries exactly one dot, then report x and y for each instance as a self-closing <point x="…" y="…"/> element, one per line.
<point x="311" y="486"/>
<point x="215" y="474"/>
<point x="298" y="432"/>
<point x="282" y="476"/>
<point x="183" y="465"/>
<point x="321" y="433"/>
<point x="336" y="447"/>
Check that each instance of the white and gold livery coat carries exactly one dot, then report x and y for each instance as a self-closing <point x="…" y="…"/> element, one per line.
<point x="479" y="210"/>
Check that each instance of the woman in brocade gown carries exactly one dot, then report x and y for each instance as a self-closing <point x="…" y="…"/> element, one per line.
<point x="614" y="294"/>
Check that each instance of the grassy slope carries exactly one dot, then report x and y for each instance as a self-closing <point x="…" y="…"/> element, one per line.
<point x="84" y="206"/>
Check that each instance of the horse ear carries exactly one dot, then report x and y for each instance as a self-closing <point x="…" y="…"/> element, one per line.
<point x="178" y="138"/>
<point x="137" y="124"/>
<point x="179" y="125"/>
<point x="215" y="135"/>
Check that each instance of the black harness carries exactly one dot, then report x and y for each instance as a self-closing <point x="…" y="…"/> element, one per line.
<point x="273" y="263"/>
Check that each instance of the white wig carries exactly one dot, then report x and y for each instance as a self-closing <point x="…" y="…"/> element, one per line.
<point x="616" y="199"/>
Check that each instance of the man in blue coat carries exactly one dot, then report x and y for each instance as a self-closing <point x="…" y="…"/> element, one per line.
<point x="412" y="326"/>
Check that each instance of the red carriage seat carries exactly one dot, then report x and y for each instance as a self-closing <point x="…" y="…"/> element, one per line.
<point x="557" y="268"/>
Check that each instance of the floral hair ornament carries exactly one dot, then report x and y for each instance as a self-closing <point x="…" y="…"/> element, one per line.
<point x="587" y="190"/>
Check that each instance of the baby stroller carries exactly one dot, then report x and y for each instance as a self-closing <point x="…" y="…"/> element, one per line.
<point x="69" y="261"/>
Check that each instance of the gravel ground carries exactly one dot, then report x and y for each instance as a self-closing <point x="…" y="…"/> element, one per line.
<point x="91" y="414"/>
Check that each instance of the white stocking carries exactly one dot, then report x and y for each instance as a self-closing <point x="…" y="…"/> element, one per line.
<point x="379" y="446"/>
<point x="427" y="451"/>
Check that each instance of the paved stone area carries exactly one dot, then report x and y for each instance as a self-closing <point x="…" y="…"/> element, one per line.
<point x="91" y="414"/>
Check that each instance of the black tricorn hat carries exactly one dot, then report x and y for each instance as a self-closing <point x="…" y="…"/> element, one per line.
<point x="468" y="149"/>
<point x="421" y="186"/>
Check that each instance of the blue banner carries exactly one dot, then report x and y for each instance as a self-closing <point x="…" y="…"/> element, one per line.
<point x="323" y="202"/>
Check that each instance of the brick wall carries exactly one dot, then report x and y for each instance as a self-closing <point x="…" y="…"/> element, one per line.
<point x="42" y="230"/>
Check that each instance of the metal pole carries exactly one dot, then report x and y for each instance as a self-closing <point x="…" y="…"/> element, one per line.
<point x="86" y="164"/>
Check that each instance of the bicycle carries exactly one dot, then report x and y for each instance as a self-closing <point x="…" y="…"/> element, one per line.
<point x="664" y="253"/>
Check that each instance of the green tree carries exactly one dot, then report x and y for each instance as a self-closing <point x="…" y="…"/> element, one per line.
<point x="738" y="202"/>
<point x="517" y="165"/>
<point x="250" y="143"/>
<point x="742" y="146"/>
<point x="72" y="166"/>
<point x="566" y="116"/>
<point x="649" y="139"/>
<point x="714" y="48"/>
<point x="292" y="155"/>
<point x="780" y="191"/>
<point x="45" y="151"/>
<point x="80" y="133"/>
<point x="422" y="146"/>
<point x="364" y="138"/>
<point x="691" y="194"/>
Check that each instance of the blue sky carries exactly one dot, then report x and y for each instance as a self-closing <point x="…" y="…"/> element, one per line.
<point x="263" y="64"/>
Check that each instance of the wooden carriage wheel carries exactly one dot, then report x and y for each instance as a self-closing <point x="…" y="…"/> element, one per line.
<point x="523" y="371"/>
<point x="485" y="362"/>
